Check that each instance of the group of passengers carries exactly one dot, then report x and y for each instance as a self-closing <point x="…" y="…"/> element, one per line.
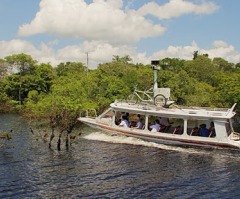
<point x="124" y="121"/>
<point x="203" y="131"/>
<point x="159" y="124"/>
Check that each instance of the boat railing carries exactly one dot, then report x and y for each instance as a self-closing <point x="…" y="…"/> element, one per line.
<point x="186" y="108"/>
<point x="90" y="113"/>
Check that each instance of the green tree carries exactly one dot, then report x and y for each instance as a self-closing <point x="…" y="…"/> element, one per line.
<point x="44" y="75"/>
<point x="22" y="63"/>
<point x="61" y="106"/>
<point x="237" y="66"/>
<point x="64" y="69"/>
<point x="223" y="64"/>
<point x="3" y="69"/>
<point x="229" y="89"/>
<point x="173" y="64"/>
<point x="202" y="69"/>
<point x="125" y="59"/>
<point x="28" y="77"/>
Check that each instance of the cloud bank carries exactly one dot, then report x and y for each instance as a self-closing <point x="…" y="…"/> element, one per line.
<point x="101" y="52"/>
<point x="106" y="28"/>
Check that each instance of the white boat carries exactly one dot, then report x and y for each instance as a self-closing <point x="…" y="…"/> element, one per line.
<point x="183" y="129"/>
<point x="187" y="126"/>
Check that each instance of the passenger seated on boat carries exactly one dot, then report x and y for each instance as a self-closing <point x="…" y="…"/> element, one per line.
<point x="164" y="121"/>
<point x="211" y="129"/>
<point x="124" y="122"/>
<point x="165" y="124"/>
<point x="162" y="128"/>
<point x="177" y="130"/>
<point x="127" y="116"/>
<point x="195" y="131"/>
<point x="203" y="131"/>
<point x="155" y="127"/>
<point x="139" y="124"/>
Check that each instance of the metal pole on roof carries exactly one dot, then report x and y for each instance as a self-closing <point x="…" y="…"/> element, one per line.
<point x="155" y="68"/>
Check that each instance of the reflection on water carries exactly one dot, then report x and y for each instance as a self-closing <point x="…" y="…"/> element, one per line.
<point x="99" y="165"/>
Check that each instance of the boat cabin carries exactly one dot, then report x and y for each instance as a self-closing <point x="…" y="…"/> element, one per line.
<point x="186" y="123"/>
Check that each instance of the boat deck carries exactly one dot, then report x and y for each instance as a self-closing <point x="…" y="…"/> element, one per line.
<point x="175" y="110"/>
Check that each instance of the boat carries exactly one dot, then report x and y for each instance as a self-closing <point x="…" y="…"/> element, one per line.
<point x="183" y="128"/>
<point x="186" y="126"/>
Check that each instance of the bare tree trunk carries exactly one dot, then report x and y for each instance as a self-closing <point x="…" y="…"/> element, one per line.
<point x="59" y="143"/>
<point x="51" y="138"/>
<point x="67" y="141"/>
<point x="59" y="140"/>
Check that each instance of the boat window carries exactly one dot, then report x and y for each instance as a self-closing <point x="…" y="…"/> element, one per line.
<point x="134" y="120"/>
<point x="176" y="126"/>
<point x="228" y="127"/>
<point x="118" y="117"/>
<point x="108" y="114"/>
<point x="137" y="121"/>
<point x="167" y="125"/>
<point x="201" y="128"/>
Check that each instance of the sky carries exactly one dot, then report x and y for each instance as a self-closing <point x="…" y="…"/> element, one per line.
<point x="93" y="31"/>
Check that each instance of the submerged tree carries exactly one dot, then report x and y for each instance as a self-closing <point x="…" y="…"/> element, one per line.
<point x="61" y="107"/>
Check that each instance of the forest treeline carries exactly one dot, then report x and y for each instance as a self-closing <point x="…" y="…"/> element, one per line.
<point x="59" y="94"/>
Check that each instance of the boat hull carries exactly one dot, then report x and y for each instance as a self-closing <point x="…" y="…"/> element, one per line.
<point x="161" y="138"/>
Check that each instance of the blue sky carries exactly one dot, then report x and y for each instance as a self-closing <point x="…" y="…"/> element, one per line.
<point x="58" y="31"/>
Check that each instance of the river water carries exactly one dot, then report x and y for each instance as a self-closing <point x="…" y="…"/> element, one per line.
<point x="98" y="165"/>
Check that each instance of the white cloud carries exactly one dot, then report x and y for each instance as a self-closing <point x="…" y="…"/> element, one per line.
<point x="218" y="49"/>
<point x="175" y="8"/>
<point x="100" y="52"/>
<point x="15" y="46"/>
<point x="101" y="20"/>
<point x="223" y="50"/>
<point x="181" y="52"/>
<point x="115" y="3"/>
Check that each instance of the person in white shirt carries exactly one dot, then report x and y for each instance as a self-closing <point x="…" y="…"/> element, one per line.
<point x="155" y="127"/>
<point x="124" y="123"/>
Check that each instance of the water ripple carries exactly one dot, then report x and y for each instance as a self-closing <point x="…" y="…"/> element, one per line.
<point x="101" y="166"/>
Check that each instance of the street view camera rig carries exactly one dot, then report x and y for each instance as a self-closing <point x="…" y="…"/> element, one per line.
<point x="155" y="65"/>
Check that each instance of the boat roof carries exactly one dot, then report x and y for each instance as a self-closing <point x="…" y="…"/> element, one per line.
<point x="175" y="111"/>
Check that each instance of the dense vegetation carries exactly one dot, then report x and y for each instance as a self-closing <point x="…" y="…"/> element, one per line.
<point x="59" y="94"/>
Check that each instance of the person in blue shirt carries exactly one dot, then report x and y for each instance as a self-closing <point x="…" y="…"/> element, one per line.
<point x="139" y="124"/>
<point x="203" y="131"/>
